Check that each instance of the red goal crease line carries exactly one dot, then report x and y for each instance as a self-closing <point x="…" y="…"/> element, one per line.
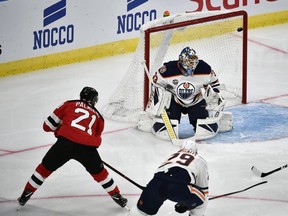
<point x="275" y="97"/>
<point x="267" y="46"/>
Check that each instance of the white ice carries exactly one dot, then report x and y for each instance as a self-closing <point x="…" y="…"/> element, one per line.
<point x="27" y="99"/>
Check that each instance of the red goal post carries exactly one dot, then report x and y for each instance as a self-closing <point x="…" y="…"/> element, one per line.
<point x="219" y="38"/>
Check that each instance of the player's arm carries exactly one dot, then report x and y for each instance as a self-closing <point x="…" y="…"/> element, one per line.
<point x="202" y="183"/>
<point x="203" y="179"/>
<point x="214" y="82"/>
<point x="159" y="81"/>
<point x="53" y="121"/>
<point x="211" y="93"/>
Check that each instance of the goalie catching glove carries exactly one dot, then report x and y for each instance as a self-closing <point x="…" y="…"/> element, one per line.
<point x="212" y="97"/>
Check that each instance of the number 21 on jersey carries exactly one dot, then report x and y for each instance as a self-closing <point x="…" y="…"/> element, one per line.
<point x="84" y="115"/>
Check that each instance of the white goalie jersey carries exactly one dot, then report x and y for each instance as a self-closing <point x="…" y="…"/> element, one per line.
<point x="186" y="89"/>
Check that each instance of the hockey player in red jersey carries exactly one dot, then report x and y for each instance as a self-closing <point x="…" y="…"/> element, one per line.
<point x="78" y="126"/>
<point x="183" y="178"/>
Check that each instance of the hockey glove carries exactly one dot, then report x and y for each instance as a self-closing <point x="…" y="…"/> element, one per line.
<point x="181" y="208"/>
<point x="56" y="132"/>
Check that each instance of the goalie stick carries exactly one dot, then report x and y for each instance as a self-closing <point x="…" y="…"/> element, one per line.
<point x="263" y="174"/>
<point x="171" y="133"/>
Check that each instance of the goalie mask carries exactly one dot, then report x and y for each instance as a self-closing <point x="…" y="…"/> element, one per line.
<point x="189" y="145"/>
<point x="188" y="60"/>
<point x="89" y="95"/>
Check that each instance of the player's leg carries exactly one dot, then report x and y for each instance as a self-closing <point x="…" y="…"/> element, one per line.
<point x="174" y="110"/>
<point x="56" y="156"/>
<point x="91" y="160"/>
<point x="189" y="198"/>
<point x="197" y="111"/>
<point x="151" y="198"/>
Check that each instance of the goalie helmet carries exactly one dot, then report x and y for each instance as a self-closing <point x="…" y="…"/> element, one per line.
<point x="189" y="145"/>
<point x="188" y="60"/>
<point x="89" y="95"/>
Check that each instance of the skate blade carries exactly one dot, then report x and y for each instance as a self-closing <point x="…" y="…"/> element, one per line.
<point x="18" y="208"/>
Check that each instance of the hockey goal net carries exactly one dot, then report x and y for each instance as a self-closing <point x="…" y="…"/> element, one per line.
<point x="220" y="39"/>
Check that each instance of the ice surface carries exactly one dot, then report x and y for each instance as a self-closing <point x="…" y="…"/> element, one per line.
<point x="27" y="99"/>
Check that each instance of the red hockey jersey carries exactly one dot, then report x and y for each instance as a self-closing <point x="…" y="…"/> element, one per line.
<point x="76" y="121"/>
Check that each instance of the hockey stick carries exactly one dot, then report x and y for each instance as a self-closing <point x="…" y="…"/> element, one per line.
<point x="169" y="127"/>
<point x="124" y="176"/>
<point x="235" y="192"/>
<point x="171" y="133"/>
<point x="263" y="174"/>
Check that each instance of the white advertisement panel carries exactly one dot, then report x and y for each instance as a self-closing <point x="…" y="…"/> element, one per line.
<point x="33" y="28"/>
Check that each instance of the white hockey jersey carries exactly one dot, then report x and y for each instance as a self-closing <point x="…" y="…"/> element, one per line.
<point x="195" y="166"/>
<point x="186" y="89"/>
<point x="197" y="169"/>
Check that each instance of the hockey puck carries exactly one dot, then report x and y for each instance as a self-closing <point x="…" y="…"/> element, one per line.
<point x="239" y="29"/>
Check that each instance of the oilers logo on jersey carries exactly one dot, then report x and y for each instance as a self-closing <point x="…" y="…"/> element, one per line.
<point x="185" y="90"/>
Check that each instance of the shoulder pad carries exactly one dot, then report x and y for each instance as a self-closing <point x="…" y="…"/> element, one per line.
<point x="162" y="69"/>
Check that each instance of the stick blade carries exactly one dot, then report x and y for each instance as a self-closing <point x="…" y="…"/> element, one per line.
<point x="256" y="171"/>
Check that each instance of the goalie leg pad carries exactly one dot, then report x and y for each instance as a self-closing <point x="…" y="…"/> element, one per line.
<point x="207" y="128"/>
<point x="226" y="122"/>
<point x="159" y="129"/>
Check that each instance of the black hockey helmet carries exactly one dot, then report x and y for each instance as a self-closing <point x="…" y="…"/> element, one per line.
<point x="89" y="95"/>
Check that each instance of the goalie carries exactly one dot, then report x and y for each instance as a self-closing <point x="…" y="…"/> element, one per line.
<point x="186" y="86"/>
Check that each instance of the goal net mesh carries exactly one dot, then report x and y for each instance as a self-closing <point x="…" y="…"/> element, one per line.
<point x="217" y="40"/>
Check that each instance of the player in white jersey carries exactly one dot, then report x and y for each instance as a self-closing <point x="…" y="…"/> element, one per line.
<point x="182" y="178"/>
<point x="183" y="81"/>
